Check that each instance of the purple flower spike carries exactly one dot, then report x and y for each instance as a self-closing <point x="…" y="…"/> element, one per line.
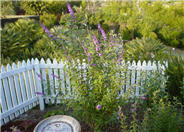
<point x="95" y="40"/>
<point x="45" y="29"/>
<point x="39" y="93"/>
<point x="70" y="10"/>
<point x="102" y="32"/>
<point x="144" y="98"/>
<point x="98" y="107"/>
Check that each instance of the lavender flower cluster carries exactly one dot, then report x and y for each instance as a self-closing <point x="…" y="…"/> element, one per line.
<point x="70" y="10"/>
<point x="102" y="32"/>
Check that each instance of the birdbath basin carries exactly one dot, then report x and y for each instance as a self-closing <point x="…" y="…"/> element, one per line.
<point x="58" y="123"/>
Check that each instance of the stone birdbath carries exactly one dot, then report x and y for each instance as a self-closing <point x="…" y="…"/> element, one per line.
<point x="58" y="123"/>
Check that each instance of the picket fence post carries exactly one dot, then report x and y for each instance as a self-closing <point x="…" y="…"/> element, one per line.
<point x="38" y="84"/>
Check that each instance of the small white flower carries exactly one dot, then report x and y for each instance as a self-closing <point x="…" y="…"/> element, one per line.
<point x="173" y="49"/>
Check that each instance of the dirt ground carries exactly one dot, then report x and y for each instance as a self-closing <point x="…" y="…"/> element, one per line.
<point x="28" y="121"/>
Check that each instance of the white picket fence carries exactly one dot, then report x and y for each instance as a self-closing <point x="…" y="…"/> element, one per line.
<point x="20" y="83"/>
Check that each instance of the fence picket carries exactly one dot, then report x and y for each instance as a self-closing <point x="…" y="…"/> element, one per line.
<point x="12" y="90"/>
<point x="22" y="84"/>
<point x="38" y="79"/>
<point x="44" y="81"/>
<point x="3" y="102"/>
<point x="68" y="84"/>
<point x="7" y="94"/>
<point x="34" y="75"/>
<point x="138" y="77"/>
<point x="18" y="89"/>
<point x="133" y="71"/>
<point x="61" y="71"/>
<point x="128" y="78"/>
<point x="30" y="76"/>
<point x="51" y="81"/>
<point x="27" y="86"/>
<point x="56" y="80"/>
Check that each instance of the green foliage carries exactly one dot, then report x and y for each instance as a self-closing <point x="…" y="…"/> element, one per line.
<point x="156" y="20"/>
<point x="175" y="74"/>
<point x="162" y="116"/>
<point x="154" y="81"/>
<point x="7" y="8"/>
<point x="50" y="7"/>
<point x="48" y="20"/>
<point x="144" y="49"/>
<point x="34" y="7"/>
<point x="18" y="38"/>
<point x="100" y="88"/>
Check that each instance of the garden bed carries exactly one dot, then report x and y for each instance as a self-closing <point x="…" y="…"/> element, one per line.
<point x="28" y="121"/>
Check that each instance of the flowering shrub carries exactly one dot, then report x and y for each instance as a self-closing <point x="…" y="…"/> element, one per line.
<point x="96" y="83"/>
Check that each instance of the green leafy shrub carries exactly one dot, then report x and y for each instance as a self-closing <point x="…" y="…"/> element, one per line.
<point x="48" y="20"/>
<point x="34" y="7"/>
<point x="175" y="73"/>
<point x="156" y="20"/>
<point x="151" y="82"/>
<point x="7" y="8"/>
<point x="162" y="116"/>
<point x="144" y="49"/>
<point x="50" y="7"/>
<point x="19" y="36"/>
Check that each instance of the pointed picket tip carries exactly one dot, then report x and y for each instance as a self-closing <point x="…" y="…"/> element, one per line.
<point x="139" y="63"/>
<point x="134" y="63"/>
<point x="9" y="67"/>
<point x="23" y="63"/>
<point x="61" y="61"/>
<point x="144" y="63"/>
<point x="32" y="61"/>
<point x="19" y="64"/>
<point x="128" y="63"/>
<point x="149" y="63"/>
<point x="54" y="61"/>
<point x="154" y="63"/>
<point x="14" y="66"/>
<point x="42" y="61"/>
<point x="3" y="69"/>
<point x="36" y="61"/>
<point x="48" y="61"/>
<point x="28" y="62"/>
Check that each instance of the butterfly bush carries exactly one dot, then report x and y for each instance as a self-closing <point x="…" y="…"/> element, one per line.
<point x="95" y="77"/>
<point x="94" y="71"/>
